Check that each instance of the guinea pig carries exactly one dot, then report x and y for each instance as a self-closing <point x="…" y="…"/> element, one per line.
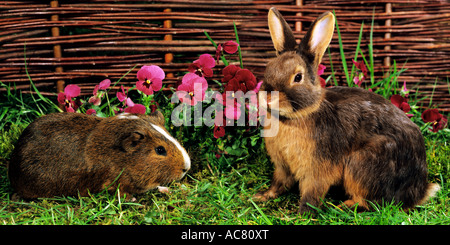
<point x="69" y="154"/>
<point x="337" y="136"/>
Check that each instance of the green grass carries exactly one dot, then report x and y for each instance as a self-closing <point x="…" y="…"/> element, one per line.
<point x="209" y="197"/>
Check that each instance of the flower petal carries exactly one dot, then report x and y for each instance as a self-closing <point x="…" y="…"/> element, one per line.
<point x="69" y="109"/>
<point x="431" y="115"/>
<point x="229" y="72"/>
<point x="104" y="84"/>
<point x="219" y="131"/>
<point x="62" y="98"/>
<point x="136" y="109"/>
<point x="405" y="107"/>
<point x="121" y="96"/>
<point x="72" y="90"/>
<point x="156" y="84"/>
<point x="189" y="78"/>
<point x="321" y="69"/>
<point x="91" y="112"/>
<point x="207" y="72"/>
<point x="95" y="100"/>
<point x="143" y="73"/>
<point x="397" y="100"/>
<point x="156" y="72"/>
<point x="230" y="47"/>
<point x="129" y="103"/>
<point x="206" y="61"/>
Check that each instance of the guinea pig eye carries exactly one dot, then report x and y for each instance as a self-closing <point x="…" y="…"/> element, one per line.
<point x="298" y="78"/>
<point x="160" y="150"/>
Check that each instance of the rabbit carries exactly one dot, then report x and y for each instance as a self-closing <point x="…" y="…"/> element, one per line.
<point x="69" y="154"/>
<point x="336" y="136"/>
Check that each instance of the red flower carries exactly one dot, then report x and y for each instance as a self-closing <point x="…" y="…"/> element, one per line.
<point x="150" y="79"/>
<point x="243" y="80"/>
<point x="401" y="103"/>
<point x="360" y="77"/>
<point x="70" y="91"/>
<point x="230" y="47"/>
<point x="192" y="89"/>
<point x="219" y="131"/>
<point x="229" y="72"/>
<point x="203" y="66"/>
<point x="361" y="66"/>
<point x="437" y="120"/>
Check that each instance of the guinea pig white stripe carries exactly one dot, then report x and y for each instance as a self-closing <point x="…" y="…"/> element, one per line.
<point x="187" y="160"/>
<point x="127" y="116"/>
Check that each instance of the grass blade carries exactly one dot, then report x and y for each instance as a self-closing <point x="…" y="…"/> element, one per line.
<point x="341" y="50"/>
<point x="215" y="45"/>
<point x="267" y="220"/>
<point x="239" y="47"/>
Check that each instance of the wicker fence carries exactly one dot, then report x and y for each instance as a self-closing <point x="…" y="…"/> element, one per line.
<point x="84" y="42"/>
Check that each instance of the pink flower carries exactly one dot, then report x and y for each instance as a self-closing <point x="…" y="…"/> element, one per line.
<point x="121" y="96"/>
<point x="91" y="112"/>
<point x="70" y="91"/>
<point x="103" y="85"/>
<point x="150" y="79"/>
<point x="203" y="66"/>
<point x="437" y="120"/>
<point x="404" y="91"/>
<point x="97" y="98"/>
<point x="136" y="109"/>
<point x="320" y="71"/>
<point x="258" y="86"/>
<point x="192" y="89"/>
<point x="232" y="106"/>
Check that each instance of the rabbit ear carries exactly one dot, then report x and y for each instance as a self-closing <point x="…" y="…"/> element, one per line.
<point x="317" y="39"/>
<point x="282" y="37"/>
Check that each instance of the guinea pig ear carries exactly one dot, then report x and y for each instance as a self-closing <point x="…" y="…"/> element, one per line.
<point x="282" y="36"/>
<point x="131" y="140"/>
<point x="317" y="39"/>
<point x="159" y="117"/>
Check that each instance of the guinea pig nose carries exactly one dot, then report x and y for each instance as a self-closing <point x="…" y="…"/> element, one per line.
<point x="185" y="170"/>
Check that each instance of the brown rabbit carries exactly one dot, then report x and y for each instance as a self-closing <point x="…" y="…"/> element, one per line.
<point x="72" y="153"/>
<point x="338" y="136"/>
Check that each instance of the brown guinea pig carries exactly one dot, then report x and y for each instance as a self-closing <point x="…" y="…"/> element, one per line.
<point x="338" y="136"/>
<point x="71" y="153"/>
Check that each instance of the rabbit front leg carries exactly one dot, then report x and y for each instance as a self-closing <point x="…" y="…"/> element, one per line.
<point x="314" y="182"/>
<point x="282" y="180"/>
<point x="312" y="192"/>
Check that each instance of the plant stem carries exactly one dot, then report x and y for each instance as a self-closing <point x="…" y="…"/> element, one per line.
<point x="215" y="45"/>
<point x="239" y="47"/>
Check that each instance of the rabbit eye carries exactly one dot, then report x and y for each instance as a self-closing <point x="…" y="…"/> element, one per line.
<point x="298" y="78"/>
<point x="160" y="150"/>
